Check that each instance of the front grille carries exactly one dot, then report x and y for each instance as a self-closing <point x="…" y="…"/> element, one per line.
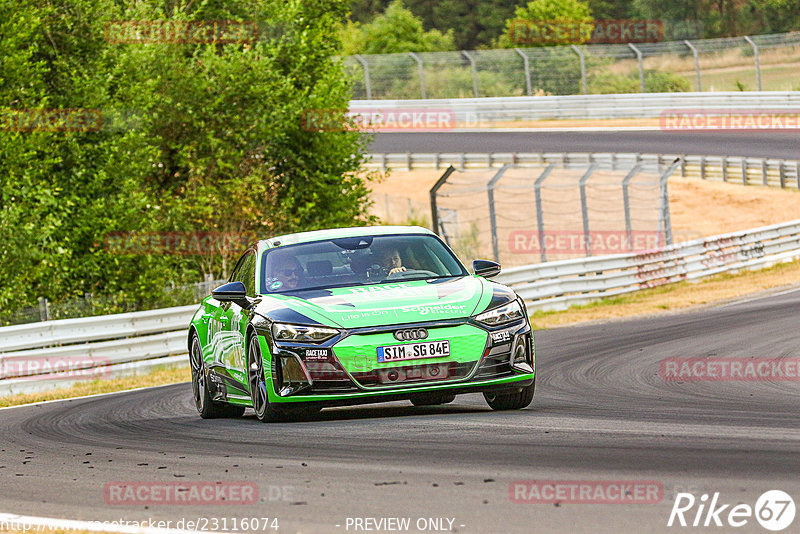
<point x="414" y="374"/>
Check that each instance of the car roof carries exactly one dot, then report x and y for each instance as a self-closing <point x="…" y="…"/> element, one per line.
<point x="333" y="233"/>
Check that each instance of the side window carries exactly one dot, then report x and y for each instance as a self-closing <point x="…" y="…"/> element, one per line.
<point x="248" y="273"/>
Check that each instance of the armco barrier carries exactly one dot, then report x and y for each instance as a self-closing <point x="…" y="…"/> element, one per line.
<point x="560" y="284"/>
<point x="733" y="169"/>
<point x="118" y="344"/>
<point x="493" y="112"/>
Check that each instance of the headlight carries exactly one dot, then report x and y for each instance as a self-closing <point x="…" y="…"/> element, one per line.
<point x="302" y="334"/>
<point x="504" y="314"/>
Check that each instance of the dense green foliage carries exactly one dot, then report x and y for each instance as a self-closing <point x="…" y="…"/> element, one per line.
<point x="195" y="138"/>
<point x="478" y="23"/>
<point x="395" y="30"/>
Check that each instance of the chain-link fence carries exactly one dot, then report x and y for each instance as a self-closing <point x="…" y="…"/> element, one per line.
<point x="763" y="62"/>
<point x="90" y="305"/>
<point x="519" y="216"/>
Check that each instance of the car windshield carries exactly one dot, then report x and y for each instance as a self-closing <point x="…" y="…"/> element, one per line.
<point x="353" y="261"/>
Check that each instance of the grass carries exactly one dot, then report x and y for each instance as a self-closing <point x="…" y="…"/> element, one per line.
<point x="673" y="297"/>
<point x="158" y="377"/>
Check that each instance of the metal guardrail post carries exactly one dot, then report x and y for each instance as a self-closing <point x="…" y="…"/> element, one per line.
<point x="474" y="72"/>
<point x="724" y="165"/>
<point x="492" y="212"/>
<point x="764" y="174"/>
<point x="421" y="74"/>
<point x="664" y="216"/>
<point x="627" y="204"/>
<point x="434" y="210"/>
<point x="587" y="239"/>
<point x="526" y="62"/>
<point x="744" y="171"/>
<point x="755" y="55"/>
<point x="366" y="75"/>
<point x="797" y="173"/>
<point x="702" y="167"/>
<point x="44" y="309"/>
<point x="782" y="172"/>
<point x="641" y="65"/>
<point x="584" y="85"/>
<point x="537" y="188"/>
<point x="696" y="63"/>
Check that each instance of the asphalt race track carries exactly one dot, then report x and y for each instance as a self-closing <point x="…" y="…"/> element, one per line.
<point x="773" y="144"/>
<point x="601" y="412"/>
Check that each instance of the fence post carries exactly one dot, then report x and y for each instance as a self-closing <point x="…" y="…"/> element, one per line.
<point x="537" y="188"/>
<point x="587" y="240"/>
<point x="696" y="63"/>
<point x="764" y="177"/>
<point x="782" y="171"/>
<point x="641" y="66"/>
<point x="434" y="211"/>
<point x="492" y="213"/>
<point x="474" y="72"/>
<point x="527" y="70"/>
<point x="755" y="55"/>
<point x="627" y="205"/>
<point x="702" y="167"/>
<point x="421" y="74"/>
<point x="664" y="215"/>
<point x="366" y="75"/>
<point x="584" y="86"/>
<point x="44" y="309"/>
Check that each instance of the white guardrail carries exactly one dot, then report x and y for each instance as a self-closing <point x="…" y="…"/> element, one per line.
<point x="734" y="169"/>
<point x="559" y="284"/>
<point x="499" y="111"/>
<point x="40" y="356"/>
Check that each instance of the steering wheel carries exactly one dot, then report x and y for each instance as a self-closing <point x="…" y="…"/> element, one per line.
<point x="409" y="273"/>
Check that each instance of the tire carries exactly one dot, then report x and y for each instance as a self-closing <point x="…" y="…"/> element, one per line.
<point x="511" y="401"/>
<point x="207" y="408"/>
<point x="432" y="399"/>
<point x="266" y="412"/>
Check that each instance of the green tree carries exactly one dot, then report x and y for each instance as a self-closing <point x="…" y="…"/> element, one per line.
<point x="394" y="31"/>
<point x="548" y="12"/>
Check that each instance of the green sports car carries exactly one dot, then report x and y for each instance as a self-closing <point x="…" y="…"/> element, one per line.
<point x="358" y="315"/>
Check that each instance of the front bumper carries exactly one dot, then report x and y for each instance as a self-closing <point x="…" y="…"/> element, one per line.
<point x="346" y="366"/>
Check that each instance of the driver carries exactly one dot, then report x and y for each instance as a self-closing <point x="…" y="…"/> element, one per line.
<point x="391" y="261"/>
<point x="288" y="271"/>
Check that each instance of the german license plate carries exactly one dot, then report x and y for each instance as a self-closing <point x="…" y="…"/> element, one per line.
<point x="414" y="351"/>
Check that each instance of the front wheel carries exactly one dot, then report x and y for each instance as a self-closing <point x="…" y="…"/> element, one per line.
<point x="207" y="408"/>
<point x="265" y="411"/>
<point x="511" y="401"/>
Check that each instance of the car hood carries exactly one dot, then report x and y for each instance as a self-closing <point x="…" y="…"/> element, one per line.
<point x="382" y="304"/>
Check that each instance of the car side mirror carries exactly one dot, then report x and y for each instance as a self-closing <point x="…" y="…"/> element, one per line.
<point x="486" y="268"/>
<point x="232" y="292"/>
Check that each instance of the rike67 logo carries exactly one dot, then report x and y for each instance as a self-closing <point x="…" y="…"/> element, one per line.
<point x="774" y="510"/>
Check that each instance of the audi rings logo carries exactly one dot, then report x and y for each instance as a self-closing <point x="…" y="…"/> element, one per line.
<point x="411" y="334"/>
